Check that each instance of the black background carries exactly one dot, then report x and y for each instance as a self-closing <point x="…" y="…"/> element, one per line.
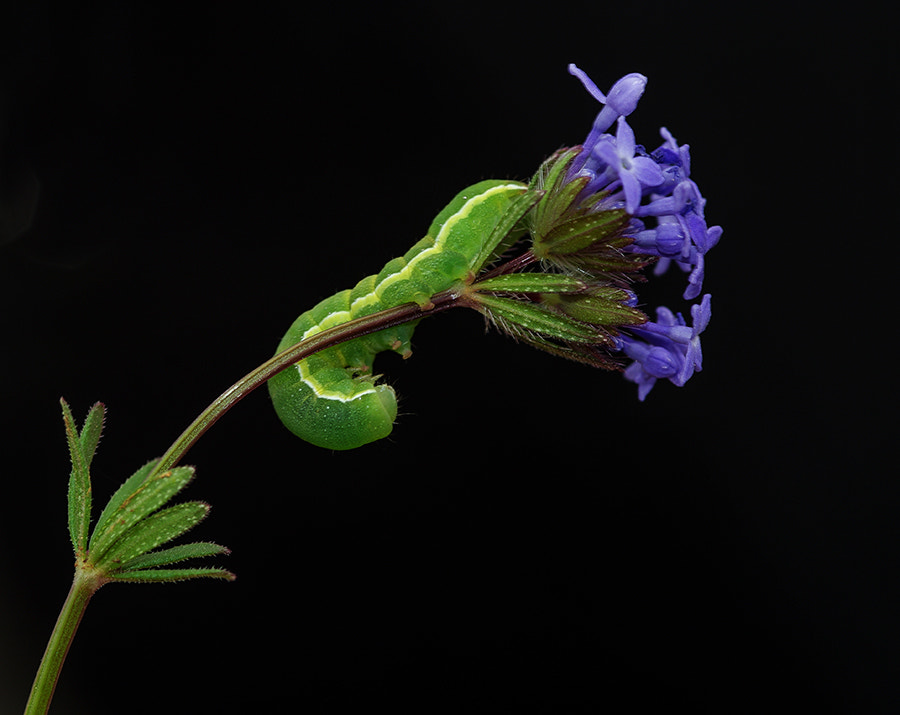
<point x="531" y="537"/>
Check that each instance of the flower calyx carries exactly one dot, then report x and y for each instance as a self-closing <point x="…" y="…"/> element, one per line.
<point x="573" y="231"/>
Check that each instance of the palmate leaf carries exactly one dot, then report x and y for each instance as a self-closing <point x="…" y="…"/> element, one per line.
<point x="134" y="522"/>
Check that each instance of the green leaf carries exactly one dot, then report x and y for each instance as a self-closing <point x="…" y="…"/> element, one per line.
<point x="150" y="532"/>
<point x="130" y="486"/>
<point x="79" y="497"/>
<point x="91" y="431"/>
<point x="531" y="283"/>
<point x="142" y="494"/>
<point x="174" y="555"/>
<point x="171" y="575"/>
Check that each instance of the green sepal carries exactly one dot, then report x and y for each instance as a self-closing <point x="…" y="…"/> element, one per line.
<point x="515" y="315"/>
<point x="82" y="446"/>
<point x="531" y="283"/>
<point x="592" y="355"/>
<point x="603" y="306"/>
<point x="551" y="173"/>
<point x="170" y="575"/>
<point x="150" y="532"/>
<point x="571" y="232"/>
<point x="506" y="232"/>
<point x="174" y="555"/>
<point x="579" y="233"/>
<point x="143" y="493"/>
<point x="559" y="195"/>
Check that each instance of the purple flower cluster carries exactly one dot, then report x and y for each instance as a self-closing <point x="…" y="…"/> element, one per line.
<point x="666" y="348"/>
<point x="667" y="221"/>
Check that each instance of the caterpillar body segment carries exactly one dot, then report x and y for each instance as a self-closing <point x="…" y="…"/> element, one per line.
<point x="331" y="399"/>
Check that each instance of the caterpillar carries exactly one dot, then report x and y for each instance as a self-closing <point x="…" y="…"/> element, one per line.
<point x="332" y="399"/>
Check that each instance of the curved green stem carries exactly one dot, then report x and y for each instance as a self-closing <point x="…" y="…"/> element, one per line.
<point x="326" y="339"/>
<point x="87" y="582"/>
<point x="84" y="585"/>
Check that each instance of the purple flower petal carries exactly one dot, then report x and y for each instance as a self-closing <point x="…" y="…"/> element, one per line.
<point x="625" y="94"/>
<point x="587" y="82"/>
<point x="647" y="172"/>
<point x="624" y="139"/>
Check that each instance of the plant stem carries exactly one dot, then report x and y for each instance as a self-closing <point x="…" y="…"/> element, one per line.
<point x="87" y="582"/>
<point x="84" y="585"/>
<point x="320" y="341"/>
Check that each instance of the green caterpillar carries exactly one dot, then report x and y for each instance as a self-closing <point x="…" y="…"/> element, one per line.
<point x="331" y="399"/>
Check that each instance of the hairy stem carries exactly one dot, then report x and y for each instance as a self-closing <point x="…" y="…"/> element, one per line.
<point x="84" y="585"/>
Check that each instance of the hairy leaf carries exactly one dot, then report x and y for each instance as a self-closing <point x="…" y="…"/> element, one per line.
<point x="174" y="555"/>
<point x="79" y="497"/>
<point x="142" y="494"/>
<point x="171" y="575"/>
<point x="150" y="532"/>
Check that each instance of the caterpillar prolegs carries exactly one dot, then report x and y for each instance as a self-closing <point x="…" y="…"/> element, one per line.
<point x="332" y="399"/>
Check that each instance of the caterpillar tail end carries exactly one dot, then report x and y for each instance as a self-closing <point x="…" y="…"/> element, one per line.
<point x="336" y="424"/>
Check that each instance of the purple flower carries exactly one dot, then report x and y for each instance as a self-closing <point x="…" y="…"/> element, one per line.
<point x="673" y="200"/>
<point x="665" y="349"/>
<point x="666" y="240"/>
<point x="684" y="207"/>
<point x="635" y="173"/>
<point x="665" y="219"/>
<point x="620" y="102"/>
